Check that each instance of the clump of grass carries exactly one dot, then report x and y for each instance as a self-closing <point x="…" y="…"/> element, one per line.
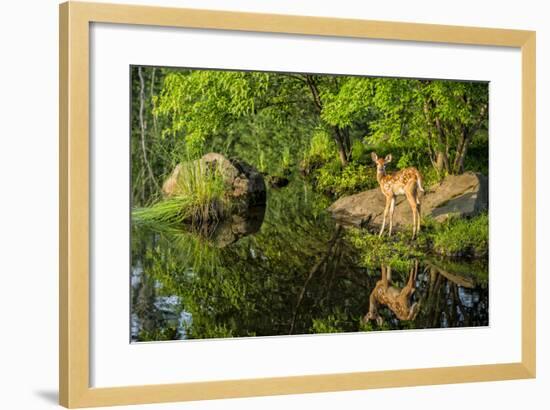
<point x="463" y="237"/>
<point x="200" y="197"/>
<point x="396" y="251"/>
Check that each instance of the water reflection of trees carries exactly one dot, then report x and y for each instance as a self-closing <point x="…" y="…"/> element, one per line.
<point x="296" y="275"/>
<point x="452" y="298"/>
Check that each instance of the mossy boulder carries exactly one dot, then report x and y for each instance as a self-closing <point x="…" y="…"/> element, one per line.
<point x="245" y="183"/>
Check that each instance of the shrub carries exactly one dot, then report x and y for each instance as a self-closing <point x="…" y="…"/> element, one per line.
<point x="355" y="177"/>
<point x="463" y="237"/>
<point x="321" y="150"/>
<point x="359" y="151"/>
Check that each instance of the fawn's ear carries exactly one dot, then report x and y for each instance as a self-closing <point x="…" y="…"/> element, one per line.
<point x="374" y="156"/>
<point x="387" y="159"/>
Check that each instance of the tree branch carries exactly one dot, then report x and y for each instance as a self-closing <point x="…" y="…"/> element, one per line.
<point x="314" y="92"/>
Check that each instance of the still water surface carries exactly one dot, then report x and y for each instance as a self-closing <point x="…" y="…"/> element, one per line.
<point x="289" y="269"/>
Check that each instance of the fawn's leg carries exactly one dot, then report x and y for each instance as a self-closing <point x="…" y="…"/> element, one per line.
<point x="418" y="213"/>
<point x="411" y="284"/>
<point x="392" y="209"/>
<point x="415" y="308"/>
<point x="372" y="314"/>
<point x="386" y="209"/>
<point x="407" y="290"/>
<point x="412" y="203"/>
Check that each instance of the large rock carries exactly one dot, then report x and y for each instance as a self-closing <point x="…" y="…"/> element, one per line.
<point x="245" y="183"/>
<point x="461" y="195"/>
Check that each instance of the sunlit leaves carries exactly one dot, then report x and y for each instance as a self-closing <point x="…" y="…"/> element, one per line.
<point x="201" y="103"/>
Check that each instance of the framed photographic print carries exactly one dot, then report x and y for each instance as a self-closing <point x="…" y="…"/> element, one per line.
<point x="257" y="204"/>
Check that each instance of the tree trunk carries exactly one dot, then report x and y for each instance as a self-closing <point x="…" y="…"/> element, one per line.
<point x="458" y="165"/>
<point x="347" y="142"/>
<point x="342" y="155"/>
<point x="340" y="142"/>
<point x="442" y="160"/>
<point x="143" y="127"/>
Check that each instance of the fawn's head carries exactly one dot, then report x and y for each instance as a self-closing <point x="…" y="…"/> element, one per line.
<point x="380" y="162"/>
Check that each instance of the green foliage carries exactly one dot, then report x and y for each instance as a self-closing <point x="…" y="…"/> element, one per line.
<point x="386" y="325"/>
<point x="200" y="196"/>
<point x="397" y="251"/>
<point x="334" y="180"/>
<point x="359" y="152"/>
<point x="327" y="173"/>
<point x="463" y="237"/>
<point x="455" y="237"/>
<point x="208" y="330"/>
<point x="349" y="103"/>
<point x="321" y="150"/>
<point x="239" y="113"/>
<point x="477" y="158"/>
<point x="262" y="166"/>
<point x="158" y="334"/>
<point x="286" y="161"/>
<point x="334" y="323"/>
<point x="435" y="117"/>
<point x="201" y="102"/>
<point x="474" y="268"/>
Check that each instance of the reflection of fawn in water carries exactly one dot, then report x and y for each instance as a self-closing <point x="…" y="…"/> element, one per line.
<point x="397" y="300"/>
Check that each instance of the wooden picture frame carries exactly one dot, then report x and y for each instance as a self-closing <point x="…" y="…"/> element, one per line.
<point x="74" y="353"/>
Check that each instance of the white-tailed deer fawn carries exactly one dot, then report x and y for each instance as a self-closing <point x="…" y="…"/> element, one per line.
<point x="397" y="300"/>
<point x="406" y="182"/>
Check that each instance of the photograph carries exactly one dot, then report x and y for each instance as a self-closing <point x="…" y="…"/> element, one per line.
<point x="289" y="203"/>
